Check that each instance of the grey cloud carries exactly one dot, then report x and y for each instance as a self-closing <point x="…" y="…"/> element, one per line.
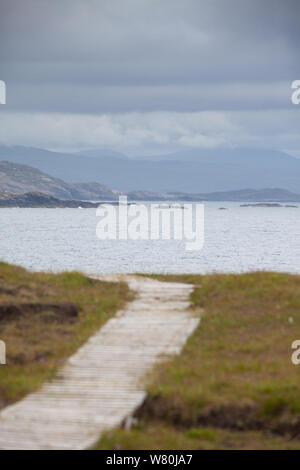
<point x="133" y="132"/>
<point x="144" y="98"/>
<point x="147" y="43"/>
<point x="107" y="57"/>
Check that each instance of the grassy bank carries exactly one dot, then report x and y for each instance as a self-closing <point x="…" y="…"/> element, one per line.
<point x="44" y="318"/>
<point x="234" y="385"/>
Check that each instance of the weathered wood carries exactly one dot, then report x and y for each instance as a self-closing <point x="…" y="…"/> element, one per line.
<point x="102" y="383"/>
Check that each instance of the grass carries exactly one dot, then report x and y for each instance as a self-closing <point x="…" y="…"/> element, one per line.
<point x="234" y="385"/>
<point x="44" y="318"/>
<point x="160" y="436"/>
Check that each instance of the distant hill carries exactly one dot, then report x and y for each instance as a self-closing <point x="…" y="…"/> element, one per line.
<point x="39" y="188"/>
<point x="242" y="195"/>
<point x="100" y="153"/>
<point x="215" y="154"/>
<point x="20" y="179"/>
<point x="193" y="171"/>
<point x="36" y="199"/>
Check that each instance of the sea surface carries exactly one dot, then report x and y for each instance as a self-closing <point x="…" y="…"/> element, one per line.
<point x="236" y="240"/>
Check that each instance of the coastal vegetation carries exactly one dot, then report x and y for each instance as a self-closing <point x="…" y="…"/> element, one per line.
<point x="234" y="385"/>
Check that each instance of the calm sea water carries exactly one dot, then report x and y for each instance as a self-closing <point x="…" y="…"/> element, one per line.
<point x="238" y="239"/>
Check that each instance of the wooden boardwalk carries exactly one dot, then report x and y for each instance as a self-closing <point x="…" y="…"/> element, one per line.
<point x="101" y="384"/>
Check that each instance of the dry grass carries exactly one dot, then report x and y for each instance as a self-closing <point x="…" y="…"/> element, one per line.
<point x="44" y="318"/>
<point x="235" y="374"/>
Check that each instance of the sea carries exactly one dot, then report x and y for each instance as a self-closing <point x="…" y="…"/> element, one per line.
<point x="236" y="239"/>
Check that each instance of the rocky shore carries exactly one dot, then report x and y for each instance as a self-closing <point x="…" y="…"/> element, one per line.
<point x="37" y="199"/>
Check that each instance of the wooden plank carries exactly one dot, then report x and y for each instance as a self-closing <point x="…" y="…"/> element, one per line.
<point x="101" y="384"/>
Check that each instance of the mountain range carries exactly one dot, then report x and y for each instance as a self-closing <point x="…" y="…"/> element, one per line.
<point x="20" y="179"/>
<point x="16" y="180"/>
<point x="37" y="199"/>
<point x="191" y="171"/>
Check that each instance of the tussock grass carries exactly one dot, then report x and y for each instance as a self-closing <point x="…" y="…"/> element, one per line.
<point x="38" y="342"/>
<point x="234" y="385"/>
<point x="156" y="435"/>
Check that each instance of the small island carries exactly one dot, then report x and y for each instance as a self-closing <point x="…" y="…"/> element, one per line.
<point x="266" y="204"/>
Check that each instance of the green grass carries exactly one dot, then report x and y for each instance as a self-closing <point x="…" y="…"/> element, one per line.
<point x="38" y="343"/>
<point x="154" y="435"/>
<point x="234" y="385"/>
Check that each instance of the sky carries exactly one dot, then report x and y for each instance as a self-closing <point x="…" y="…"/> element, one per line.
<point x="150" y="76"/>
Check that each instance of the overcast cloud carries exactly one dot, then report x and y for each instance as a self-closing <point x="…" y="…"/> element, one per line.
<point x="131" y="74"/>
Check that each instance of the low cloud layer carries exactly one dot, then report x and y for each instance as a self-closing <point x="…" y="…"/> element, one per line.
<point x="133" y="74"/>
<point x="144" y="133"/>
